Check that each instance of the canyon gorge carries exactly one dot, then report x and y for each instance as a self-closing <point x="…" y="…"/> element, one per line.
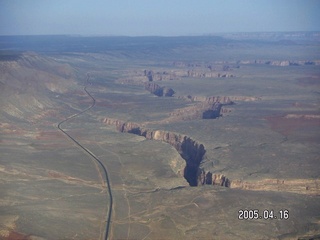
<point x="189" y="134"/>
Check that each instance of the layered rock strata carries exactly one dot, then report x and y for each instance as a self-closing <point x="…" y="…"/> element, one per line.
<point x="301" y="186"/>
<point x="190" y="150"/>
<point x="220" y="99"/>
<point x="225" y="65"/>
<point x="159" y="91"/>
<point x="198" y="111"/>
<point x="208" y="178"/>
<point x="161" y="75"/>
<point x="193" y="153"/>
<point x="208" y="74"/>
<point x="207" y="107"/>
<point x="142" y="77"/>
<point x="282" y="63"/>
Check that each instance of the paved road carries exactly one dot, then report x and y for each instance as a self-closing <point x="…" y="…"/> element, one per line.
<point x="108" y="218"/>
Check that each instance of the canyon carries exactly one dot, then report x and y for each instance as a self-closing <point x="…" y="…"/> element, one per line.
<point x="190" y="134"/>
<point x="190" y="150"/>
<point x="193" y="153"/>
<point x="159" y="91"/>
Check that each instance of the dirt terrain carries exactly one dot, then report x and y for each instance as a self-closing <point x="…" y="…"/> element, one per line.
<point x="190" y="137"/>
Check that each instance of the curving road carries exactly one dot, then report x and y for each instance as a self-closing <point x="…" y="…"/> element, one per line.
<point x="108" y="219"/>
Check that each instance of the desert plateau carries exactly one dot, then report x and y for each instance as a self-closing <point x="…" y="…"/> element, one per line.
<point x="200" y="137"/>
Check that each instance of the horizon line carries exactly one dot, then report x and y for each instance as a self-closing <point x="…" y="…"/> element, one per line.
<point x="184" y="35"/>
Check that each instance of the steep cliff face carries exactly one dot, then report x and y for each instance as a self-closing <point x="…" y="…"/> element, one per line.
<point x="159" y="91"/>
<point x="190" y="150"/>
<point x="208" y="178"/>
<point x="220" y="99"/>
<point x="198" y="111"/>
<point x="207" y="107"/>
<point x="301" y="186"/>
<point x="193" y="153"/>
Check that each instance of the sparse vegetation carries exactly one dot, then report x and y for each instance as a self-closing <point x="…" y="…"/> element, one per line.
<point x="265" y="137"/>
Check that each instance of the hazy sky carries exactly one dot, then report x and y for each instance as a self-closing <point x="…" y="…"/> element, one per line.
<point x="156" y="17"/>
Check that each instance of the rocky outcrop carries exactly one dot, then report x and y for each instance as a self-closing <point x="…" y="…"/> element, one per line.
<point x="193" y="153"/>
<point x="159" y="91"/>
<point x="207" y="107"/>
<point x="220" y="99"/>
<point x="208" y="74"/>
<point x="282" y="63"/>
<point x="149" y="75"/>
<point x="301" y="186"/>
<point x="198" y="111"/>
<point x="208" y="178"/>
<point x="223" y="68"/>
<point x="160" y="75"/>
<point x="138" y="77"/>
<point x="190" y="150"/>
<point x="212" y="66"/>
<point x="121" y="126"/>
<point x="207" y="70"/>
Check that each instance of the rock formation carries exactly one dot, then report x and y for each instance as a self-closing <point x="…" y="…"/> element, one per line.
<point x="220" y="99"/>
<point x="198" y="111"/>
<point x="282" y="63"/>
<point x="207" y="107"/>
<point x="301" y="186"/>
<point x="159" y="91"/>
<point x="207" y="178"/>
<point x="190" y="150"/>
<point x="149" y="75"/>
<point x="193" y="153"/>
<point x="207" y="74"/>
<point x="160" y="75"/>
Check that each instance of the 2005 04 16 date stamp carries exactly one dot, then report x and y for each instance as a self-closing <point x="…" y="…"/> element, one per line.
<point x="254" y="214"/>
